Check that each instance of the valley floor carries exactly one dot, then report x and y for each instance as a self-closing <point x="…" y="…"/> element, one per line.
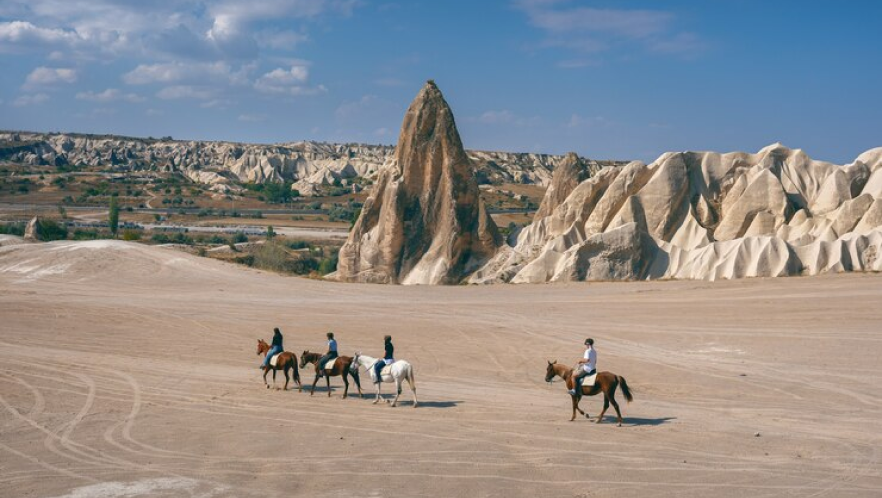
<point x="130" y="370"/>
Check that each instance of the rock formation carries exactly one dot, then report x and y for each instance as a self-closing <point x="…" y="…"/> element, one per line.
<point x="424" y="222"/>
<point x="33" y="230"/>
<point x="566" y="177"/>
<point x="703" y="215"/>
<point x="217" y="163"/>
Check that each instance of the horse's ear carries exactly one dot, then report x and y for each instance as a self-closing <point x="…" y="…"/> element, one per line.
<point x="554" y="362"/>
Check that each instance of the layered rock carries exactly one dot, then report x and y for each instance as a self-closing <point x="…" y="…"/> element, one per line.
<point x="424" y="222"/>
<point x="33" y="230"/>
<point x="294" y="162"/>
<point x="704" y="215"/>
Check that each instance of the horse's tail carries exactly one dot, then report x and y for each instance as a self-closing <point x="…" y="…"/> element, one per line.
<point x="625" y="390"/>
<point x="410" y="377"/>
<point x="296" y="368"/>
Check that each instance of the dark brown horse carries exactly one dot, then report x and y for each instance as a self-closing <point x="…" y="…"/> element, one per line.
<point x="284" y="362"/>
<point x="342" y="365"/>
<point x="605" y="382"/>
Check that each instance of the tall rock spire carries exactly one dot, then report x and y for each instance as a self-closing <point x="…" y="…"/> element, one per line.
<point x="424" y="222"/>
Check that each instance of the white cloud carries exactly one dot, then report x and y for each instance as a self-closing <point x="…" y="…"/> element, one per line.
<point x="186" y="92"/>
<point x="252" y="118"/>
<point x="47" y="76"/>
<point x="24" y="33"/>
<point x="26" y="100"/>
<point x="593" y="30"/>
<point x="174" y="72"/>
<point x="215" y="104"/>
<point x="287" y="81"/>
<point x="283" y="40"/>
<point x="109" y="95"/>
<point x="505" y="117"/>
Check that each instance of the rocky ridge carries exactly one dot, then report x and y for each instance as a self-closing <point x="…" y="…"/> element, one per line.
<point x="221" y="163"/>
<point x="705" y="215"/>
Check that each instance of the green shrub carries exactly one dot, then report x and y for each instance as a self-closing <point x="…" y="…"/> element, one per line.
<point x="12" y="229"/>
<point x="52" y="230"/>
<point x="131" y="235"/>
<point x="240" y="237"/>
<point x="85" y="234"/>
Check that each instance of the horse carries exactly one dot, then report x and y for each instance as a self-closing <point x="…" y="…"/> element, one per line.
<point x="605" y="382"/>
<point x="342" y="365"/>
<point x="400" y="371"/>
<point x="284" y="362"/>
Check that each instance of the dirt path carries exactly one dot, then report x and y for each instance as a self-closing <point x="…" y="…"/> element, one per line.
<point x="128" y="370"/>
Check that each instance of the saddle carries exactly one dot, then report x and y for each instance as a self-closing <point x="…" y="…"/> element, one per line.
<point x="274" y="359"/>
<point x="329" y="365"/>
<point x="384" y="372"/>
<point x="589" y="380"/>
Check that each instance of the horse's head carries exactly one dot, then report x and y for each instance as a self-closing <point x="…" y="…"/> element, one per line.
<point x="262" y="347"/>
<point x="303" y="358"/>
<point x="353" y="368"/>
<point x="549" y="371"/>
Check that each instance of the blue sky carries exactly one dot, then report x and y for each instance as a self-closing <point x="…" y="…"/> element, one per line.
<point x="608" y="79"/>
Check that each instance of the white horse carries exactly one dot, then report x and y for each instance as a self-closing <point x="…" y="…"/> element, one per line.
<point x="400" y="371"/>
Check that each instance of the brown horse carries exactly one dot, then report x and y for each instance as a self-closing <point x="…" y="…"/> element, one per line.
<point x="342" y="365"/>
<point x="605" y="382"/>
<point x="284" y="362"/>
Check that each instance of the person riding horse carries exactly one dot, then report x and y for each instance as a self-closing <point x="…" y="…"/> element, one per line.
<point x="387" y="359"/>
<point x="331" y="354"/>
<point x="589" y="366"/>
<point x="275" y="349"/>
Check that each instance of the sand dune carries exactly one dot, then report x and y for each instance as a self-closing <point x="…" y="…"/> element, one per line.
<point x="128" y="370"/>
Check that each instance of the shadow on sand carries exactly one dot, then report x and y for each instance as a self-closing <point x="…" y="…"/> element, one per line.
<point x="635" y="421"/>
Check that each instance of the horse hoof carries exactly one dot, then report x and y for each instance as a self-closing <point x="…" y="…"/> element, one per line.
<point x="414" y="405"/>
<point x="392" y="405"/>
<point x="375" y="402"/>
<point x="267" y="386"/>
<point x="619" y="424"/>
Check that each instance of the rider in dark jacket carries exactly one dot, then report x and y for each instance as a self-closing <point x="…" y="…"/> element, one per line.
<point x="388" y="358"/>
<point x="275" y="349"/>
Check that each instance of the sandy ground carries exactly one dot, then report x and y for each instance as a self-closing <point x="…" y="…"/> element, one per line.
<point x="128" y="370"/>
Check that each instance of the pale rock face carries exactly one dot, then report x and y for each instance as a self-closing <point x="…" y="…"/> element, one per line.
<point x="424" y="222"/>
<point x="709" y="216"/>
<point x="32" y="230"/>
<point x="566" y="177"/>
<point x="293" y="161"/>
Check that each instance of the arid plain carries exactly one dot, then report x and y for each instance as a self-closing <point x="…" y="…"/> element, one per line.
<point x="130" y="370"/>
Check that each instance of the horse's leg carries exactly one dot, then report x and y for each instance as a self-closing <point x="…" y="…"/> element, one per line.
<point x="345" y="375"/>
<point x="328" y="382"/>
<point x="265" y="371"/>
<point x="286" y="378"/>
<point x="575" y="403"/>
<point x="397" y="392"/>
<point x="605" y="407"/>
<point x="357" y="379"/>
<point x="612" y="399"/>
<point x="274" y="378"/>
<point x="579" y="400"/>
<point x="314" y="382"/>
<point x="378" y="384"/>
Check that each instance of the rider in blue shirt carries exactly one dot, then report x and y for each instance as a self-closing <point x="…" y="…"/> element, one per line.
<point x="332" y="353"/>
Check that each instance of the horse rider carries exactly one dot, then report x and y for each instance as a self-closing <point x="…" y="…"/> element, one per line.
<point x="588" y="366"/>
<point x="387" y="359"/>
<point x="275" y="349"/>
<point x="332" y="353"/>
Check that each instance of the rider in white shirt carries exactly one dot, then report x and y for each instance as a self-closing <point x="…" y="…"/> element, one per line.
<point x="589" y="366"/>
